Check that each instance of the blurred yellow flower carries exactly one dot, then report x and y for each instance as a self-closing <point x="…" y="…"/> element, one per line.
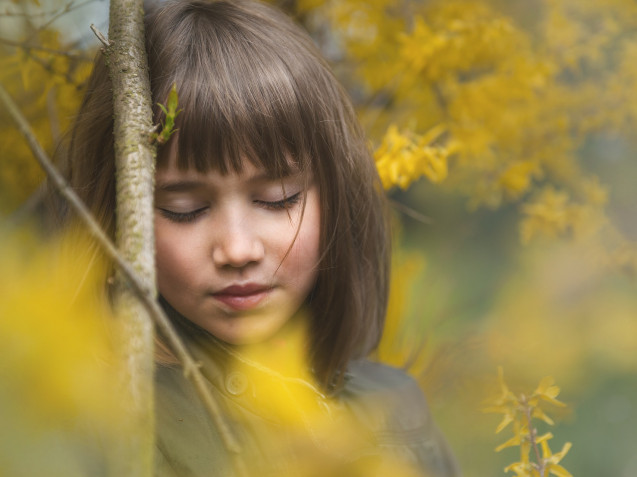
<point x="547" y="215"/>
<point x="404" y="158"/>
<point x="516" y="179"/>
<point x="521" y="410"/>
<point x="47" y="88"/>
<point x="56" y="358"/>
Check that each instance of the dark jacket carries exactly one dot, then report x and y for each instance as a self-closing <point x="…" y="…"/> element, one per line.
<point x="377" y="424"/>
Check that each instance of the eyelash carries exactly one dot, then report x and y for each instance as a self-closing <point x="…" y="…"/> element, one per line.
<point x="280" y="204"/>
<point x="186" y="217"/>
<point x="182" y="217"/>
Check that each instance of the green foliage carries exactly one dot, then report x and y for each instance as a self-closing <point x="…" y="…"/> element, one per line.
<point x="170" y="113"/>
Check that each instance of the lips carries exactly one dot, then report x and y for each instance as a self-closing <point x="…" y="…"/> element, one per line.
<point x="243" y="297"/>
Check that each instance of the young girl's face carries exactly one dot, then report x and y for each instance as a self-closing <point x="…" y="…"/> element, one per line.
<point x="237" y="254"/>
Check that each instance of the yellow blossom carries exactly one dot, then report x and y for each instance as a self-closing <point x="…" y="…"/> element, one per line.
<point x="402" y="159"/>
<point x="547" y="391"/>
<point x="547" y="215"/>
<point x="521" y="410"/>
<point x="552" y="460"/>
<point x="46" y="87"/>
<point x="516" y="179"/>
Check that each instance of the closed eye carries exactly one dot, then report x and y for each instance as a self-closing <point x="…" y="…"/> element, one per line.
<point x="285" y="203"/>
<point x="182" y="217"/>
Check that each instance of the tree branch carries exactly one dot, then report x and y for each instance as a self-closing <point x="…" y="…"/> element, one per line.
<point x="191" y="367"/>
<point x="47" y="67"/>
<point x="27" y="46"/>
<point x="100" y="36"/>
<point x="134" y="173"/>
<point x="410" y="212"/>
<point x="55" y="11"/>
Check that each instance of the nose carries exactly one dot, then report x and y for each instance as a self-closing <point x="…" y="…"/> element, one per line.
<point x="237" y="244"/>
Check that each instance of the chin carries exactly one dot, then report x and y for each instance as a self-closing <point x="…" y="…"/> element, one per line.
<point x="241" y="339"/>
<point x="240" y="334"/>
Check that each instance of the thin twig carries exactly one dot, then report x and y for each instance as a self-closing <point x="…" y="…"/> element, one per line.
<point x="47" y="65"/>
<point x="7" y="13"/>
<point x="191" y="367"/>
<point x="66" y="9"/>
<point x="28" y="46"/>
<point x="408" y="211"/>
<point x="532" y="435"/>
<point x="100" y="36"/>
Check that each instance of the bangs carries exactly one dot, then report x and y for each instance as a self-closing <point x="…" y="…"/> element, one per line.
<point x="253" y="87"/>
<point x="240" y="98"/>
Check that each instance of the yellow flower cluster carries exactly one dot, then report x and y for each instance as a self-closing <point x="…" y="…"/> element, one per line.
<point x="460" y="38"/>
<point x="519" y="102"/>
<point x="404" y="158"/>
<point x="552" y="214"/>
<point x="45" y="80"/>
<point x="520" y="411"/>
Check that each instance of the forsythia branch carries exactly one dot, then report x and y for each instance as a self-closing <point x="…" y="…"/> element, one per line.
<point x="520" y="411"/>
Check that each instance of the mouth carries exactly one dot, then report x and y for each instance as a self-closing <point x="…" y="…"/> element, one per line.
<point x="243" y="297"/>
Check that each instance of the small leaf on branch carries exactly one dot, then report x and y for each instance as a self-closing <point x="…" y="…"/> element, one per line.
<point x="170" y="112"/>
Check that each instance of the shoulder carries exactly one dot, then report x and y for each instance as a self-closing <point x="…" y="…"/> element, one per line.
<point x="377" y="377"/>
<point x="381" y="388"/>
<point x="391" y="406"/>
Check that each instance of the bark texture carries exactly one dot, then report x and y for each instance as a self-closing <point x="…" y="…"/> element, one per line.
<point x="135" y="158"/>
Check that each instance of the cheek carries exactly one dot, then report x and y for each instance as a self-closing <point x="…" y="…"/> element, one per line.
<point x="308" y="241"/>
<point x="174" y="259"/>
<point x="304" y="255"/>
<point x="166" y="260"/>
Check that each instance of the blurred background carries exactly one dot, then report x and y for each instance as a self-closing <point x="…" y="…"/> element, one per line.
<point x="503" y="131"/>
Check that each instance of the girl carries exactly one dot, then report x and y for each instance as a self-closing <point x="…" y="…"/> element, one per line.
<point x="270" y="226"/>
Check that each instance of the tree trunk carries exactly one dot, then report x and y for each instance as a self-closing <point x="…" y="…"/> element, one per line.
<point x="134" y="157"/>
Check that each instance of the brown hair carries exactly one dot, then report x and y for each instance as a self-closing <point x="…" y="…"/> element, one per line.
<point x="252" y="85"/>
